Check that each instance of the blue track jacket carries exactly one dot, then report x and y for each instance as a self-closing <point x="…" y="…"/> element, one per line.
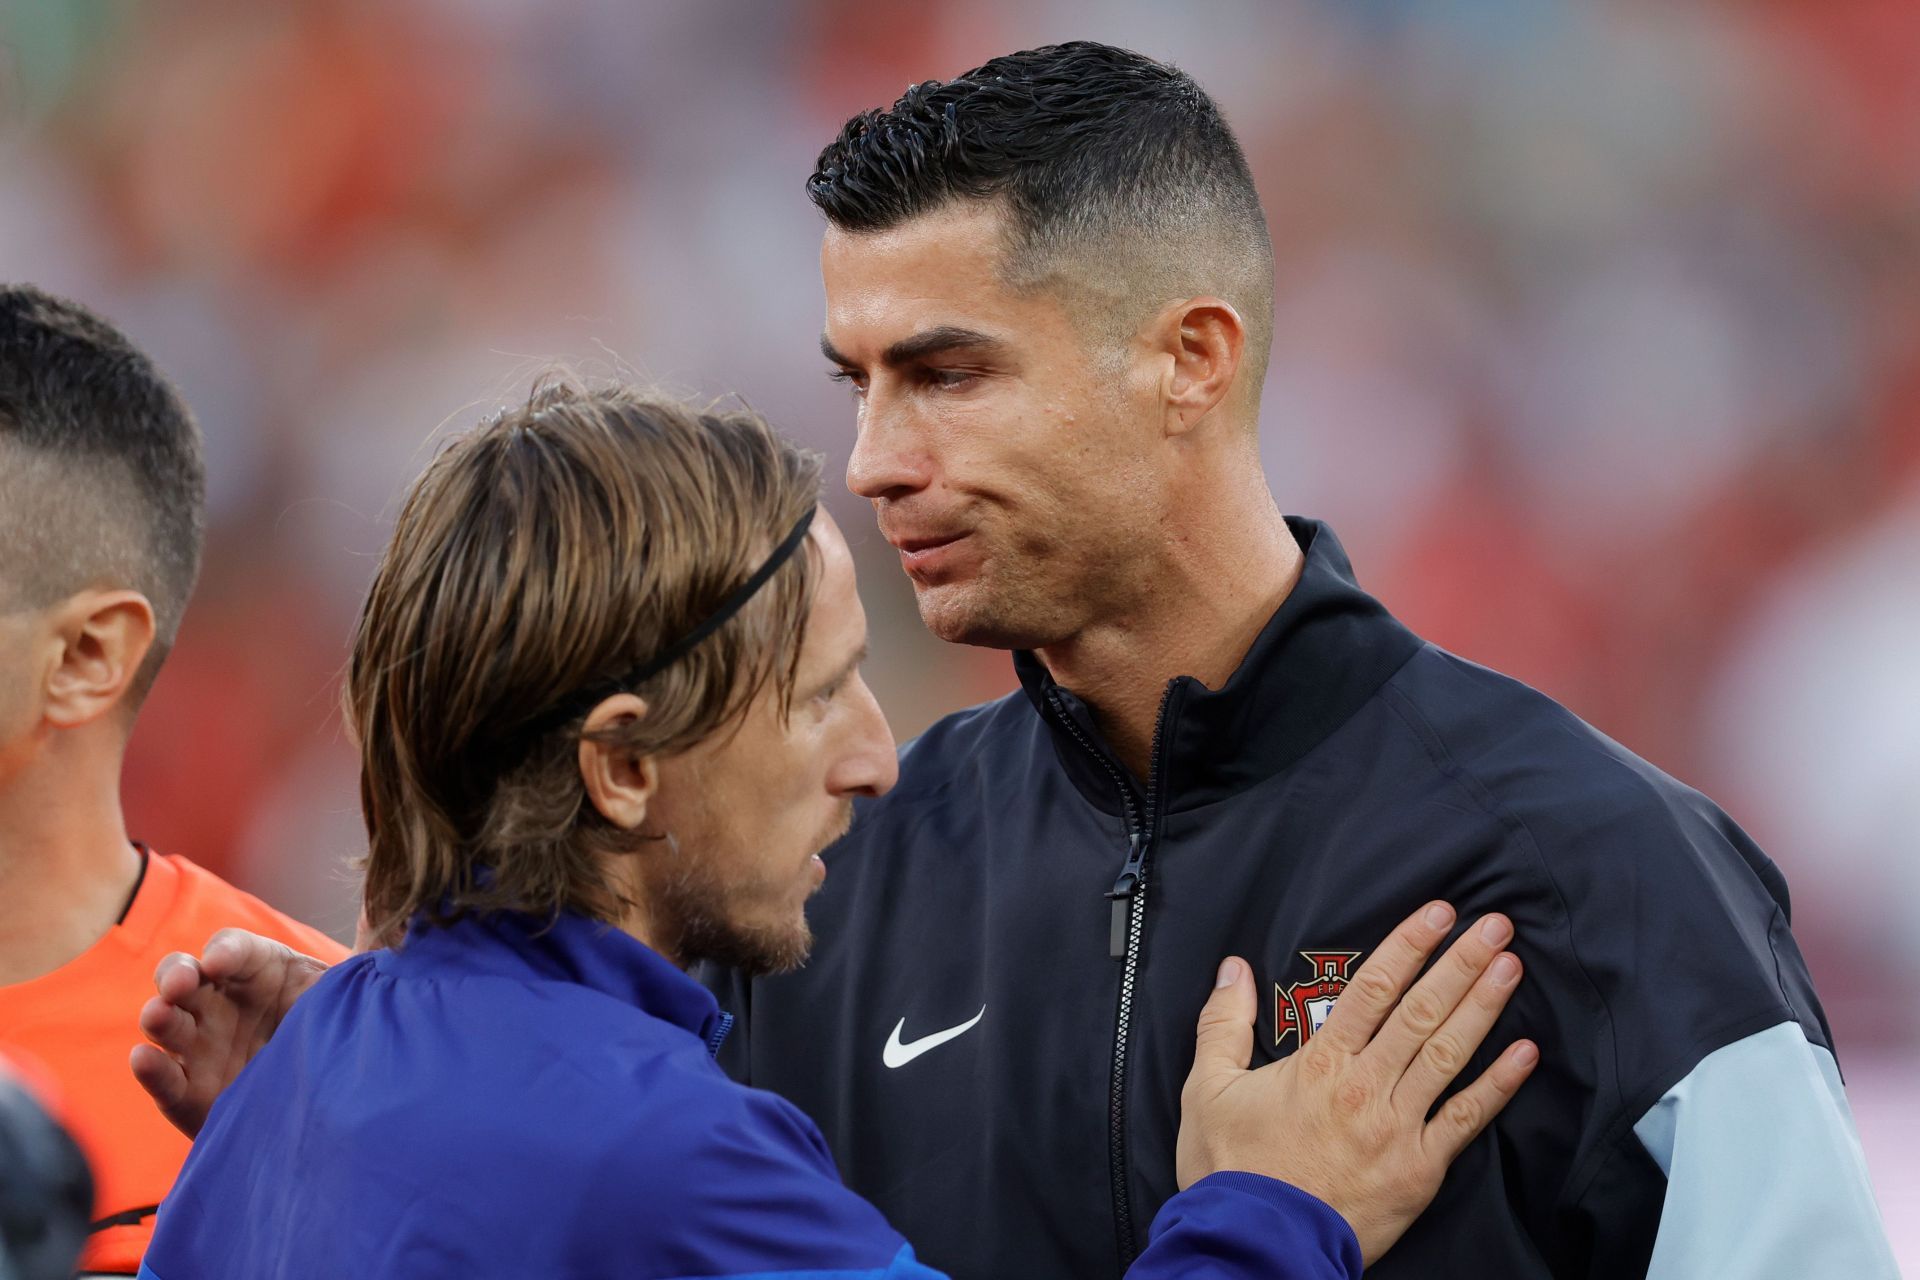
<point x="494" y="1100"/>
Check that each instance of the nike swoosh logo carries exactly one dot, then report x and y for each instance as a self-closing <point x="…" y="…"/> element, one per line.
<point x="899" y="1055"/>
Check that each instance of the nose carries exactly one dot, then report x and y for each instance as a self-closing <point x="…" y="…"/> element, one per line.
<point x="887" y="460"/>
<point x="868" y="764"/>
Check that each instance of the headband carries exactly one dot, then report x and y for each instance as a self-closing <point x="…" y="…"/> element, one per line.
<point x="593" y="694"/>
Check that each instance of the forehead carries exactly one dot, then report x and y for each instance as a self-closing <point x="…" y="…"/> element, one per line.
<point x="942" y="268"/>
<point x="837" y="624"/>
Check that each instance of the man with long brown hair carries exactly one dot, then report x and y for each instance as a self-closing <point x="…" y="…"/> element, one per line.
<point x="607" y="694"/>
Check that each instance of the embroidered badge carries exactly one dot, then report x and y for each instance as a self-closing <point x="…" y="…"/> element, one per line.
<point x="1302" y="1008"/>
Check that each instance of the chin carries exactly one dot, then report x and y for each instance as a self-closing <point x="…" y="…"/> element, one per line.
<point x="968" y="615"/>
<point x="754" y="950"/>
<point x="778" y="955"/>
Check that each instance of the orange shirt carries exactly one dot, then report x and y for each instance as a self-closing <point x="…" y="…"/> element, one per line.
<point x="80" y="1021"/>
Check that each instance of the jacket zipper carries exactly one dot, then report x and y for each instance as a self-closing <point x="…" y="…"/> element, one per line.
<point x="1127" y="890"/>
<point x="1129" y="898"/>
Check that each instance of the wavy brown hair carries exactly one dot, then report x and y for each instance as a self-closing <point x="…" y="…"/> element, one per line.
<point x="547" y="552"/>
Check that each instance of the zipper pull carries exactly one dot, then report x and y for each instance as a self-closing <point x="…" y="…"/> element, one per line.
<point x="1121" y="894"/>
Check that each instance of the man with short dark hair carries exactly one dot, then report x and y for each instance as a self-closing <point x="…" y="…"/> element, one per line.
<point x="607" y="695"/>
<point x="101" y="493"/>
<point x="1049" y="286"/>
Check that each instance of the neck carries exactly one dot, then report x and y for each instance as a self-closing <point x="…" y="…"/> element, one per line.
<point x="640" y="921"/>
<point x="66" y="867"/>
<point x="1217" y="579"/>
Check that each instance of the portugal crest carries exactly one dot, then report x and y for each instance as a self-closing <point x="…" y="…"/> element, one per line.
<point x="1302" y="1008"/>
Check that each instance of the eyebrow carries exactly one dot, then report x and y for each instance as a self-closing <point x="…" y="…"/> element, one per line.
<point x="929" y="342"/>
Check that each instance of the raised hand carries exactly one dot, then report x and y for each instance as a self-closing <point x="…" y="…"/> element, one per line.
<point x="1346" y="1117"/>
<point x="211" y="1016"/>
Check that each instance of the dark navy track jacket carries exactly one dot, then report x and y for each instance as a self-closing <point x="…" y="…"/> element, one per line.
<point x="498" y="1100"/>
<point x="1015" y="942"/>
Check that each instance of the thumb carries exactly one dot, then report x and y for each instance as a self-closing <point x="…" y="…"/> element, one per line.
<point x="1224" y="1043"/>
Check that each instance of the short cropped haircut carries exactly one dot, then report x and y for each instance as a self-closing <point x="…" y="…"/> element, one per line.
<point x="548" y="552"/>
<point x="1123" y="184"/>
<point x="101" y="478"/>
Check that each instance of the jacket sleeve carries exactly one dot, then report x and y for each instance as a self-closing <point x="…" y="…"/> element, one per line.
<point x="727" y="1182"/>
<point x="1765" y="1176"/>
<point x="1241" y="1226"/>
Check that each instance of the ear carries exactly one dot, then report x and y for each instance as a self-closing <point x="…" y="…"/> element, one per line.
<point x="1206" y="339"/>
<point x="103" y="638"/>
<point x="620" y="782"/>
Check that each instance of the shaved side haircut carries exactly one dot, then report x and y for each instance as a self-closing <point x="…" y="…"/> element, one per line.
<point x="101" y="478"/>
<point x="1122" y="185"/>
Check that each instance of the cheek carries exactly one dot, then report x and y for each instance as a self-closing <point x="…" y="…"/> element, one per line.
<point x="768" y="813"/>
<point x="16" y="701"/>
<point x="1010" y="447"/>
<point x="1078" y="461"/>
<point x="17" y="723"/>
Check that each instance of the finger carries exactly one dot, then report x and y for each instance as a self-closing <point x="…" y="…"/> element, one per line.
<point x="167" y="1024"/>
<point x="166" y="1083"/>
<point x="1448" y="1050"/>
<point x="1439" y="991"/>
<point x="1467" y="1113"/>
<point x="177" y="976"/>
<point x="164" y="1079"/>
<point x="1223" y="1045"/>
<point x="236" y="956"/>
<point x="1361" y="1008"/>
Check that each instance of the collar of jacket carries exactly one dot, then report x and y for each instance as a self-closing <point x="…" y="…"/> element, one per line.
<point x="572" y="949"/>
<point x="1325" y="652"/>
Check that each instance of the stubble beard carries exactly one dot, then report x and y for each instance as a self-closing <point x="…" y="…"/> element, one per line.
<point x="707" y="933"/>
<point x="992" y="610"/>
<point x="1003" y="611"/>
<point x="701" y="911"/>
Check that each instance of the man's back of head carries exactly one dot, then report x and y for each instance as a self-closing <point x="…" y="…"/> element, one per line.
<point x="101" y="479"/>
<point x="101" y="512"/>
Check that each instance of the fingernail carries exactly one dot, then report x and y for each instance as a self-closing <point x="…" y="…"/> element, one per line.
<point x="1228" y="975"/>
<point x="1495" y="929"/>
<point x="1505" y="969"/>
<point x="1526" y="1055"/>
<point x="1439" y="915"/>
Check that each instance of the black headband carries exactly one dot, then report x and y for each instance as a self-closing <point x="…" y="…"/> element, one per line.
<point x="586" y="699"/>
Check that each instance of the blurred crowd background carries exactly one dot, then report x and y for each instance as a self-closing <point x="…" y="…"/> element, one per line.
<point x="1598" y="341"/>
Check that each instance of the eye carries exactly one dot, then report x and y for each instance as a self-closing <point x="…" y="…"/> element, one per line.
<point x="848" y="378"/>
<point x="950" y="379"/>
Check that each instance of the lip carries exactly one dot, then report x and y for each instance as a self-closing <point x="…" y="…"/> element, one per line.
<point x="924" y="556"/>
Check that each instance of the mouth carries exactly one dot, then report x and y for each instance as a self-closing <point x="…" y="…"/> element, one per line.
<point x="911" y="546"/>
<point x="924" y="555"/>
<point x="816" y="867"/>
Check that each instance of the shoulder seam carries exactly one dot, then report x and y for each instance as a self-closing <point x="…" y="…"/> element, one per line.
<point x="1779" y="916"/>
<point x="952" y="775"/>
<point x="1457" y="773"/>
<point x="1624" y="1112"/>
